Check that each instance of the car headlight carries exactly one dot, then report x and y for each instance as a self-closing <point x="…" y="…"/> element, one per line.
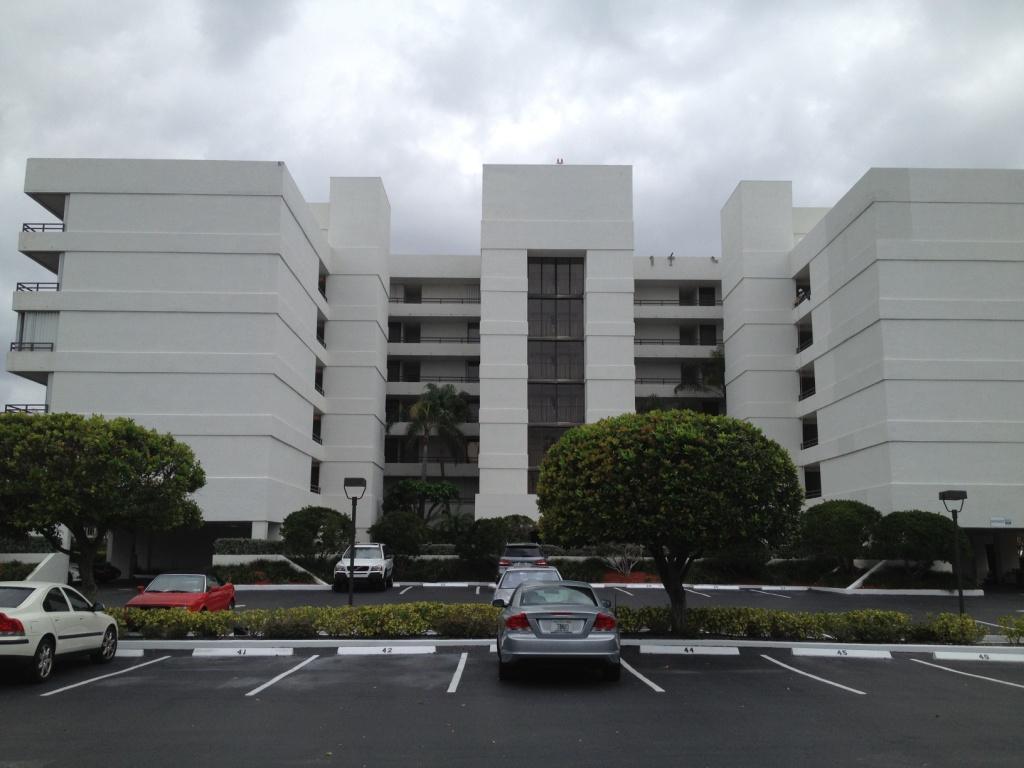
<point x="376" y="568"/>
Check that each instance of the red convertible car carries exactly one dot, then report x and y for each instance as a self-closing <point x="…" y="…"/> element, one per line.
<point x="194" y="591"/>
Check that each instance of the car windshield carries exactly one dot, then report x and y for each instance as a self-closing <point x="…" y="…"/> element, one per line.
<point x="513" y="579"/>
<point x="12" y="597"/>
<point x="177" y="582"/>
<point x="522" y="551"/>
<point x="363" y="551"/>
<point x="561" y="594"/>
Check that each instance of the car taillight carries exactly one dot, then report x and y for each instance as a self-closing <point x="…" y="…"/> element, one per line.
<point x="10" y="626"/>
<point x="504" y="562"/>
<point x="604" y="623"/>
<point x="542" y="562"/>
<point x="519" y="621"/>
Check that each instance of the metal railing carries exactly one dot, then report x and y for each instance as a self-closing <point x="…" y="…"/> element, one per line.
<point x="319" y="388"/>
<point x="813" y="493"/>
<point x="453" y="379"/>
<point x="675" y="342"/>
<point x="801" y="296"/>
<point x="431" y="460"/>
<point x="440" y="340"/>
<point x="31" y="346"/>
<point x="403" y="300"/>
<point x="674" y="303"/>
<point x="314" y="488"/>
<point x="26" y="408"/>
<point x="808" y="443"/>
<point x="805" y="393"/>
<point x="804" y="345"/>
<point x="37" y="287"/>
<point x="33" y="226"/>
<point x="317" y="439"/>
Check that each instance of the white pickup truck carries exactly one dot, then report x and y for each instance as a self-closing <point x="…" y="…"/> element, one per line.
<point x="374" y="565"/>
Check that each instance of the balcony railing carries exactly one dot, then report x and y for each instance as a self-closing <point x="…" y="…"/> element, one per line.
<point x="31" y="226"/>
<point x="440" y="340"/>
<point x="37" y="287"/>
<point x="314" y="488"/>
<point x="26" y="408"/>
<point x="453" y="379"/>
<point x="802" y="295"/>
<point x="431" y="460"/>
<point x="31" y="346"/>
<point x="319" y="388"/>
<point x="813" y="493"/>
<point x="808" y="443"/>
<point x="804" y="345"/>
<point x="403" y="300"/>
<point x="674" y="303"/>
<point x="805" y="393"/>
<point x="317" y="439"/>
<point x="675" y="342"/>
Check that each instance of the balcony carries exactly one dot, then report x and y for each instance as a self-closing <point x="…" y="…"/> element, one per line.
<point x="317" y="439"/>
<point x="26" y="408"/>
<point x="813" y="493"/>
<point x="36" y="287"/>
<point x="675" y="303"/>
<point x="319" y="388"/>
<point x="314" y="488"/>
<point x="403" y="300"/>
<point x="31" y="346"/>
<point x="56" y="226"/>
<point x="805" y="393"/>
<point x="809" y="443"/>
<point x="804" y="345"/>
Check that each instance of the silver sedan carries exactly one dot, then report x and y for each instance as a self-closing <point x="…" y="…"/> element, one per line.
<point x="562" y="620"/>
<point x="519" y="574"/>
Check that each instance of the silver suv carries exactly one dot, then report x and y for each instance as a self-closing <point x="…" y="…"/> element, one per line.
<point x="520" y="553"/>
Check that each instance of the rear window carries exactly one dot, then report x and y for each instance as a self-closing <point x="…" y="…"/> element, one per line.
<point x="522" y="550"/>
<point x="515" y="578"/>
<point x="12" y="597"/>
<point x="561" y="594"/>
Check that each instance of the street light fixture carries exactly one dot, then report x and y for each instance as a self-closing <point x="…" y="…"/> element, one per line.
<point x="355" y="487"/>
<point x="953" y="501"/>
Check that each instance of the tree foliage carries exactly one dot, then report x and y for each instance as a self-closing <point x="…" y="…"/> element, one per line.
<point x="483" y="540"/>
<point x="918" y="537"/>
<point x="406" y="495"/>
<point x="401" y="529"/>
<point x="93" y="475"/>
<point x="680" y="483"/>
<point x="838" y="530"/>
<point x="438" y="412"/>
<point x="316" y="532"/>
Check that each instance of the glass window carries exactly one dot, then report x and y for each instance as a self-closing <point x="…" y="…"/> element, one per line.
<point x="562" y="275"/>
<point x="473" y="331"/>
<point x="78" y="603"/>
<point x="576" y="286"/>
<point x="413" y="294"/>
<point x="411" y="370"/>
<point x="708" y="336"/>
<point x="12" y="597"/>
<point x="539" y="440"/>
<point x="55" y="601"/>
<point x="394" y="332"/>
<point x="533" y="272"/>
<point x="547" y="285"/>
<point x="394" y="370"/>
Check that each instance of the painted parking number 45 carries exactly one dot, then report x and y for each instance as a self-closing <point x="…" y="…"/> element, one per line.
<point x="842" y="652"/>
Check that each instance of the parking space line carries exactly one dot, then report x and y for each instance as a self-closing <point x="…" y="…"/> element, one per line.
<point x="842" y="653"/>
<point x="968" y="674"/>
<point x="386" y="650"/>
<point x="770" y="594"/>
<point x="453" y="686"/>
<point x="126" y="653"/>
<point x="985" y="655"/>
<point x="813" y="677"/>
<point x="282" y="676"/>
<point x="478" y="590"/>
<point x="405" y="590"/>
<point x="987" y="623"/>
<point x="690" y="650"/>
<point x="641" y="678"/>
<point x="695" y="592"/>
<point x="104" y="677"/>
<point x="620" y="589"/>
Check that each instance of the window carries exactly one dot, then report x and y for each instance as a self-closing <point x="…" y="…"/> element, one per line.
<point x="555" y="359"/>
<point x="55" y="601"/>
<point x="473" y="331"/>
<point x="394" y="332"/>
<point x="413" y="294"/>
<point x="394" y="370"/>
<point x="78" y="603"/>
<point x="473" y="370"/>
<point x="37" y="327"/>
<point x="708" y="336"/>
<point x="556" y="403"/>
<point x="706" y="296"/>
<point x="411" y="370"/>
<point x="555" y="277"/>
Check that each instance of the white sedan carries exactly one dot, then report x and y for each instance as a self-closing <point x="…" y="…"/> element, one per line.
<point x="41" y="620"/>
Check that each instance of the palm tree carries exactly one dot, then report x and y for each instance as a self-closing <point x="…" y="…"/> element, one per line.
<point x="439" y="411"/>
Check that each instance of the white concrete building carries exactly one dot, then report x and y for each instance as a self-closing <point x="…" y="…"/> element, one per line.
<point x="876" y="341"/>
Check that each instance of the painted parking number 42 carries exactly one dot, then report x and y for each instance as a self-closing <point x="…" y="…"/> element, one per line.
<point x="385" y="649"/>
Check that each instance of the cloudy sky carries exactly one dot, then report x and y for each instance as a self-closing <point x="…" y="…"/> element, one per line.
<point x="694" y="95"/>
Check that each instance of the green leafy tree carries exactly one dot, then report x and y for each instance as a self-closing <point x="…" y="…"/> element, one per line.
<point x="917" y="538"/>
<point x="680" y="483"/>
<point x="92" y="475"/>
<point x="319" y="533"/>
<point x="439" y="497"/>
<point x="438" y="412"/>
<point x="402" y="529"/>
<point x="837" y="530"/>
<point x="482" y="542"/>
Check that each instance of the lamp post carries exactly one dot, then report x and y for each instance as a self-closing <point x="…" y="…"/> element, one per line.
<point x="957" y="498"/>
<point x="355" y="487"/>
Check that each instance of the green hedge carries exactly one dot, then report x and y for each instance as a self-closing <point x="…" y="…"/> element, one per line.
<point x="25" y="544"/>
<point x="247" y="547"/>
<point x="274" y="571"/>
<point x="1013" y="628"/>
<point x="15" y="570"/>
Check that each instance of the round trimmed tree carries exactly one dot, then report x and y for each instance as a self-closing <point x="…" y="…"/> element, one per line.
<point x="679" y="482"/>
<point x="838" y="530"/>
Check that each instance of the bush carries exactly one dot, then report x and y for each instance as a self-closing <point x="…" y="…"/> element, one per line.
<point x="868" y="626"/>
<point x="1013" y="628"/>
<point x="403" y="530"/>
<point x="25" y="544"/>
<point x="247" y="547"/>
<point x="274" y="571"/>
<point x="590" y="570"/>
<point x="917" y="537"/>
<point x="438" y="549"/>
<point x="837" y="530"/>
<point x="15" y="570"/>
<point x="319" y="532"/>
<point x="453" y="569"/>
<point x="949" y="628"/>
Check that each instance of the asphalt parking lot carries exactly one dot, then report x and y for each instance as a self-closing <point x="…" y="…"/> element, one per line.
<point x="443" y="705"/>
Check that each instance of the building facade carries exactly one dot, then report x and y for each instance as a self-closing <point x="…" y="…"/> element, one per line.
<point x="876" y="341"/>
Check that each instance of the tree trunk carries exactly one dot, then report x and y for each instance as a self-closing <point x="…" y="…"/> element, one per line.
<point x="424" y="439"/>
<point x="86" y="559"/>
<point x="672" y="578"/>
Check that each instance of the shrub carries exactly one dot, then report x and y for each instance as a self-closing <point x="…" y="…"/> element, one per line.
<point x="868" y="626"/>
<point x="438" y="548"/>
<point x="918" y="537"/>
<point x="248" y="547"/>
<point x="837" y="530"/>
<point x="1013" y="628"/>
<point x="15" y="570"/>
<point x="949" y="628"/>
<point x="319" y="532"/>
<point x="401" y="529"/>
<point x="453" y="569"/>
<point x="590" y="570"/>
<point x="274" y="571"/>
<point x="25" y="544"/>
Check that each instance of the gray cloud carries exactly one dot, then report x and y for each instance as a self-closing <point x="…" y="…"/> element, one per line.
<point x="696" y="96"/>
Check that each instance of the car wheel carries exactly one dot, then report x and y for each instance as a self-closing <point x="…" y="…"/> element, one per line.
<point x="108" y="648"/>
<point x="613" y="672"/>
<point x="42" y="661"/>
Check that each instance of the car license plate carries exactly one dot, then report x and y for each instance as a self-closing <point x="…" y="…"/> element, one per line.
<point x="562" y="626"/>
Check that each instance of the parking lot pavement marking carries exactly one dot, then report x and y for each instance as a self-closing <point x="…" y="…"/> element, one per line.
<point x="453" y="686"/>
<point x="129" y="653"/>
<point x="620" y="589"/>
<point x="977" y="656"/>
<point x="968" y="674"/>
<point x="987" y="623"/>
<point x="492" y="648"/>
<point x="654" y="687"/>
<point x="405" y="590"/>
<point x="386" y="650"/>
<point x="104" y="677"/>
<point x="243" y="652"/>
<point x="691" y="650"/>
<point x="813" y="677"/>
<point x="842" y="653"/>
<point x="283" y="675"/>
<point x="770" y="594"/>
<point x="695" y="592"/>
<point x="478" y="590"/>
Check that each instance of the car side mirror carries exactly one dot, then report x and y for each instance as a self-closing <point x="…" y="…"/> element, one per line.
<point x="498" y="603"/>
<point x="96" y="607"/>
